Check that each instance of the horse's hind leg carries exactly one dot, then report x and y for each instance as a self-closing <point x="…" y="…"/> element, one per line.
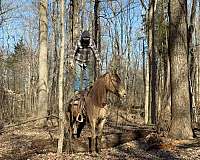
<point x="72" y="125"/>
<point x="99" y="135"/>
<point x="93" y="138"/>
<point x="80" y="128"/>
<point x="74" y="129"/>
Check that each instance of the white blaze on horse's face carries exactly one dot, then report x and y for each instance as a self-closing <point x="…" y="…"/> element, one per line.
<point x="122" y="92"/>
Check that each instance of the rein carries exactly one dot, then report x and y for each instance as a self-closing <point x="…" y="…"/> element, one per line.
<point x="113" y="84"/>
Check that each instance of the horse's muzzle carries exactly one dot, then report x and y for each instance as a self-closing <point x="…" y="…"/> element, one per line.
<point x="122" y="93"/>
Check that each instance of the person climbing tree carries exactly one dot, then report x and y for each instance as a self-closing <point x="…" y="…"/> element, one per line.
<point x="86" y="62"/>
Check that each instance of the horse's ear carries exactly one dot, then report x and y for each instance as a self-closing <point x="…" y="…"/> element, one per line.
<point x="114" y="71"/>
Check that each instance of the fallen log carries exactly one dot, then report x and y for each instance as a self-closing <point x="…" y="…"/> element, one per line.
<point x="111" y="140"/>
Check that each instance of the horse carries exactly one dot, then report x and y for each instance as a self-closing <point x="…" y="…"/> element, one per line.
<point x="94" y="106"/>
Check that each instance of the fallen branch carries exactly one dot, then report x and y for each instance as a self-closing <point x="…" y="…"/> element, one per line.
<point x="32" y="120"/>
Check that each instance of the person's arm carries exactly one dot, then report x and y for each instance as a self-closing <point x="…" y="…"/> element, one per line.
<point x="97" y="56"/>
<point x="96" y="53"/>
<point x="73" y="54"/>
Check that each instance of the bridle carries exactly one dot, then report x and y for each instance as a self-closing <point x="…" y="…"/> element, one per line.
<point x="111" y="80"/>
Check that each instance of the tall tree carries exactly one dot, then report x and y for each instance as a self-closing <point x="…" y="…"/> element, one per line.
<point x="61" y="72"/>
<point x="75" y="20"/>
<point x="97" y="32"/>
<point x="43" y="69"/>
<point x="152" y="62"/>
<point x="192" y="58"/>
<point x="146" y="68"/>
<point x="178" y="50"/>
<point x="75" y="27"/>
<point x="150" y="85"/>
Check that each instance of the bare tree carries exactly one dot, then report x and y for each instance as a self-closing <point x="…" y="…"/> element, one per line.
<point x="178" y="46"/>
<point x="192" y="59"/>
<point x="152" y="62"/>
<point x="43" y="69"/>
<point x="150" y="83"/>
<point x="97" y="32"/>
<point x="61" y="72"/>
<point x="5" y="9"/>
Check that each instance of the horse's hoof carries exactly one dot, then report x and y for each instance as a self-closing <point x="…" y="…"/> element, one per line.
<point x="73" y="136"/>
<point x="98" y="150"/>
<point x="78" y="136"/>
<point x="92" y="150"/>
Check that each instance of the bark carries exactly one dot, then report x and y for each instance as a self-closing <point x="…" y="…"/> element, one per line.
<point x="150" y="101"/>
<point x="60" y="85"/>
<point x="75" y="27"/>
<point x="97" y="33"/>
<point x="153" y="65"/>
<point x="178" y="49"/>
<point x="146" y="107"/>
<point x="43" y="69"/>
<point x="197" y="33"/>
<point x="192" y="59"/>
<point x="76" y="21"/>
<point x="83" y="13"/>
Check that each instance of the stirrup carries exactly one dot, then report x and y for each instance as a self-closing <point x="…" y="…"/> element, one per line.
<point x="76" y="92"/>
<point x="77" y="118"/>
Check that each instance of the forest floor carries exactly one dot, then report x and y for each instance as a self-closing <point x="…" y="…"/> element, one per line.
<point x="27" y="142"/>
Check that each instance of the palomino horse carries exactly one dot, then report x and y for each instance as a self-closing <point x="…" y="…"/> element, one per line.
<point x="95" y="105"/>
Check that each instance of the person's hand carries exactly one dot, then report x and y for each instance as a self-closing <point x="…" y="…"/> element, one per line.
<point x="98" y="65"/>
<point x="71" y="65"/>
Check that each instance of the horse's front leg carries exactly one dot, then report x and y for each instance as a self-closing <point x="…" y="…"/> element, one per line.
<point x="99" y="134"/>
<point x="93" y="138"/>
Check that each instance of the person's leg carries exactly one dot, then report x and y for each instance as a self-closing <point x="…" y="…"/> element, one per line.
<point x="77" y="81"/>
<point x="85" y="77"/>
<point x="90" y="73"/>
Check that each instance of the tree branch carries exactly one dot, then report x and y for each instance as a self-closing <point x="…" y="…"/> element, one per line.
<point x="143" y="5"/>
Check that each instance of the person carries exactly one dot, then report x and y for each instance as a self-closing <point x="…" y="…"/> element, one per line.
<point x="86" y="62"/>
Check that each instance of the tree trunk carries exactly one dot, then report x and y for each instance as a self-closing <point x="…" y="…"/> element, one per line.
<point x="178" y="49"/>
<point x="76" y="20"/>
<point x="83" y="14"/>
<point x="97" y="38"/>
<point x="54" y="85"/>
<point x="61" y="72"/>
<point x="198" y="59"/>
<point x="146" y="105"/>
<point x="43" y="70"/>
<point x="151" y="77"/>
<point x="192" y="59"/>
<point x="153" y="64"/>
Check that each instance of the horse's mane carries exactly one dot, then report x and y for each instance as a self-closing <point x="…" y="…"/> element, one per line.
<point x="97" y="93"/>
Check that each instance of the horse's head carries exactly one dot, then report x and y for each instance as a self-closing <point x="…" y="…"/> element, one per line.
<point x="114" y="84"/>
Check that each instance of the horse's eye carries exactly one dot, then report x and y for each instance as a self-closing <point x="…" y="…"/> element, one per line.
<point x="116" y="80"/>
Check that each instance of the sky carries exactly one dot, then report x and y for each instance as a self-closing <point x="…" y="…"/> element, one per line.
<point x="24" y="22"/>
<point x="18" y="25"/>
